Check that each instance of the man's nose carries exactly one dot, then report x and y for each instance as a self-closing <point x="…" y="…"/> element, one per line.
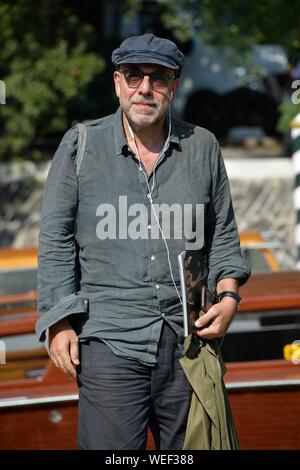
<point x="145" y="86"/>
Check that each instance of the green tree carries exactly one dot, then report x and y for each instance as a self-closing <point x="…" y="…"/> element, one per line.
<point x="46" y="61"/>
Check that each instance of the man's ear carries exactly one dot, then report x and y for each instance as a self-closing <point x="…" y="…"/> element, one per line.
<point x="117" y="84"/>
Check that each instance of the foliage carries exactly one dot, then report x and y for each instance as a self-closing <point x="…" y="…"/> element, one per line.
<point x="239" y="24"/>
<point x="45" y="63"/>
<point x="288" y="111"/>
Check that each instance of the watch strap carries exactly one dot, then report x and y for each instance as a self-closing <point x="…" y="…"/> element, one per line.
<point x="229" y="293"/>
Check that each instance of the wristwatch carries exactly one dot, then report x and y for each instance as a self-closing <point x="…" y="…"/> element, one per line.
<point x="233" y="295"/>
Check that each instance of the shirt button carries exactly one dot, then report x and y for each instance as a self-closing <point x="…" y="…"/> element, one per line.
<point x="153" y="258"/>
<point x="157" y="286"/>
<point x="149" y="226"/>
<point x="86" y="301"/>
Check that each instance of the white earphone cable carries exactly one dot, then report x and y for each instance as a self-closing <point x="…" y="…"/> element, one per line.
<point x="150" y="191"/>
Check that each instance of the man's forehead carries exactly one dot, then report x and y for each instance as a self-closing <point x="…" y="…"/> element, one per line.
<point x="149" y="67"/>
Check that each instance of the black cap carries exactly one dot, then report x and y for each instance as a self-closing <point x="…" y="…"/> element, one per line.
<point x="149" y="49"/>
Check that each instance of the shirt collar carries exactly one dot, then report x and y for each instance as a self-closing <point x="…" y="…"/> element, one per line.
<point x="121" y="144"/>
<point x="174" y="136"/>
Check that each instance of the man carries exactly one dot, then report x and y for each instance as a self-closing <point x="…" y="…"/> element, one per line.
<point x="121" y="331"/>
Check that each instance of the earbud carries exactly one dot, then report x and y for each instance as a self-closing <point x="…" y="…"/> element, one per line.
<point x="171" y="95"/>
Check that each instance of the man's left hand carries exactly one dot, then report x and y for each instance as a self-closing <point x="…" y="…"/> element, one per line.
<point x="215" y="322"/>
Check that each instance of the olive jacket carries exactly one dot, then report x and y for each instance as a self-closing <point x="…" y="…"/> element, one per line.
<point x="210" y="424"/>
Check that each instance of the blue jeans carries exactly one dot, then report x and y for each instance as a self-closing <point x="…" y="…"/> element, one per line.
<point x="119" y="398"/>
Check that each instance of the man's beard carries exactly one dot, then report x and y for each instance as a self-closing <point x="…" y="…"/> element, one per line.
<point x="144" y="117"/>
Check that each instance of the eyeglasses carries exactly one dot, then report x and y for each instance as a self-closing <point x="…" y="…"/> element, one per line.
<point x="135" y="76"/>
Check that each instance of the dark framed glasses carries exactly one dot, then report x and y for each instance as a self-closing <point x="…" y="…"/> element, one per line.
<point x="134" y="77"/>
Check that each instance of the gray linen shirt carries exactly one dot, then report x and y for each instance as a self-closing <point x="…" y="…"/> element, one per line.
<point x="126" y="290"/>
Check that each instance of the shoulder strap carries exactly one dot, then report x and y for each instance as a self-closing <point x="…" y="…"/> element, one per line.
<point x="80" y="146"/>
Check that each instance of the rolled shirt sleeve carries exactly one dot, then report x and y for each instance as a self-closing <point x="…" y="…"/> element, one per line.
<point x="221" y="235"/>
<point x="57" y="277"/>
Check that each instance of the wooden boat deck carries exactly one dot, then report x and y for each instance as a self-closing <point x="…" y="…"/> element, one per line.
<point x="41" y="412"/>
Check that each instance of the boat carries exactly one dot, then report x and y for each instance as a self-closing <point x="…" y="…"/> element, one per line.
<point x="263" y="387"/>
<point x="38" y="403"/>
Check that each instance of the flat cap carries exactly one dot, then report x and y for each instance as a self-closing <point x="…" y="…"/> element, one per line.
<point x="148" y="49"/>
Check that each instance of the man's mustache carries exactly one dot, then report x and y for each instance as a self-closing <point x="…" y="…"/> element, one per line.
<point x="145" y="101"/>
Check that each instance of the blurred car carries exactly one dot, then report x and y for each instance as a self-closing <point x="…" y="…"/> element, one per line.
<point x="219" y="96"/>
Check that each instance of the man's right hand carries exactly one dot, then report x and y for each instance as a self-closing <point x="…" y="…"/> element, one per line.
<point x="63" y="344"/>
